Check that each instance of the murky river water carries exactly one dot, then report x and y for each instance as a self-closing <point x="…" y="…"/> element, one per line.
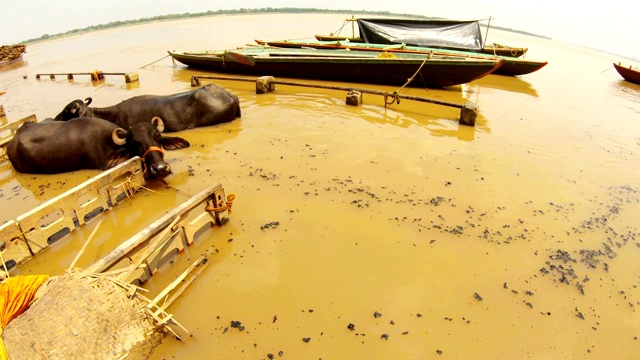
<point x="514" y="239"/>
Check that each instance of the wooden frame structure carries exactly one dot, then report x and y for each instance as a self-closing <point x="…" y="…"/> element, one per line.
<point x="139" y="258"/>
<point x="34" y="231"/>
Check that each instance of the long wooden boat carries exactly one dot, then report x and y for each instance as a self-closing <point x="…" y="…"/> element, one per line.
<point x="628" y="73"/>
<point x="490" y="49"/>
<point x="4" y="63"/>
<point x="510" y="66"/>
<point x="342" y="65"/>
<point x="10" y="54"/>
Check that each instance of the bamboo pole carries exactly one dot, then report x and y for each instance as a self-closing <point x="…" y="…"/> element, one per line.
<point x="200" y="261"/>
<point x="84" y="246"/>
<point x="149" y="232"/>
<point x="159" y="241"/>
<point x="486" y="34"/>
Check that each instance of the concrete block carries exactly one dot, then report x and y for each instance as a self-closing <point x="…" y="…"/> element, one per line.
<point x="354" y="98"/>
<point x="468" y="114"/>
<point x="131" y="77"/>
<point x="264" y="84"/>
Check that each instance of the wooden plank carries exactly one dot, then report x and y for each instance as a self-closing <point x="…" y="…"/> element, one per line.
<point x="165" y="243"/>
<point x="69" y="210"/>
<point x="13" y="245"/>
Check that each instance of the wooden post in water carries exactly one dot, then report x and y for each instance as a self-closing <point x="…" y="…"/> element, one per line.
<point x="96" y="75"/>
<point x="265" y="84"/>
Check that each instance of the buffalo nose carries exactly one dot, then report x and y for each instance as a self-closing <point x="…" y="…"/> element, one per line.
<point x="160" y="170"/>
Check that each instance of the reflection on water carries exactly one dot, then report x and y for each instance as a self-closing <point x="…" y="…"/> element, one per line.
<point x="16" y="64"/>
<point x="506" y="83"/>
<point x="628" y="92"/>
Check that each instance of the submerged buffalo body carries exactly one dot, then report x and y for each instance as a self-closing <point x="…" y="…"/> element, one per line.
<point x="205" y="106"/>
<point x="89" y="143"/>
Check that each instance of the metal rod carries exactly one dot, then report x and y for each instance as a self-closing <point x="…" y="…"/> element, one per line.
<point x="332" y="87"/>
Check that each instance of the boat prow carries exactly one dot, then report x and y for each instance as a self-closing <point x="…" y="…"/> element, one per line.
<point x="628" y="73"/>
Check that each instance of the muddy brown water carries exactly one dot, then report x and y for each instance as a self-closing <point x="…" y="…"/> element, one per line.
<point x="373" y="232"/>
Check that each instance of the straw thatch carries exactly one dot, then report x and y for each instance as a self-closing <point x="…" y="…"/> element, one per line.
<point x="82" y="317"/>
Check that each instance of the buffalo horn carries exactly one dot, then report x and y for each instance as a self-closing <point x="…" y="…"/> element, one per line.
<point x="115" y="136"/>
<point x="158" y="123"/>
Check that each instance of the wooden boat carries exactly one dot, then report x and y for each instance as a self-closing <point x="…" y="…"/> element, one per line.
<point x="510" y="66"/>
<point x="628" y="73"/>
<point x="491" y="49"/>
<point x="343" y="65"/>
<point x="504" y="50"/>
<point x="10" y="54"/>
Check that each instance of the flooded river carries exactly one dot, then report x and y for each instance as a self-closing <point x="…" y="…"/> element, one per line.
<point x="371" y="232"/>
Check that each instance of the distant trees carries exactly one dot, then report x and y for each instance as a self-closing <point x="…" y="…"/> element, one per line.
<point x="290" y="10"/>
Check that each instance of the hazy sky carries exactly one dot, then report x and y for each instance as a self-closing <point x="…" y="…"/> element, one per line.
<point x="592" y="24"/>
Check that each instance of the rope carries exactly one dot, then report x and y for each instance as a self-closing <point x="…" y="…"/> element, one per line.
<point x="174" y="62"/>
<point x="227" y="206"/>
<point x="150" y="149"/>
<point x="143" y="159"/>
<point x="394" y="96"/>
<point x="337" y="32"/>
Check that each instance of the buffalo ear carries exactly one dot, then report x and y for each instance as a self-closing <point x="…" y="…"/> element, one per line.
<point x="118" y="157"/>
<point x="173" y="143"/>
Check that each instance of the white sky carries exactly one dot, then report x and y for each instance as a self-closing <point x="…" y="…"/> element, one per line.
<point x="588" y="23"/>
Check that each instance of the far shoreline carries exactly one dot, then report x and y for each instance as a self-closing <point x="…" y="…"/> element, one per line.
<point x="171" y="17"/>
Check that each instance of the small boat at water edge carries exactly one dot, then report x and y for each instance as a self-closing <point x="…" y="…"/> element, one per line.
<point x="510" y="67"/>
<point x="11" y="53"/>
<point x="342" y="65"/>
<point x="490" y="49"/>
<point x="504" y="50"/>
<point x="628" y="73"/>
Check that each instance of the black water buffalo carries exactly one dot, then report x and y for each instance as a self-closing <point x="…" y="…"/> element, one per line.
<point x="205" y="106"/>
<point x="89" y="143"/>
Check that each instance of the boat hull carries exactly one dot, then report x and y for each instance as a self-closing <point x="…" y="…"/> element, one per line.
<point x="385" y="71"/>
<point x="510" y="67"/>
<point x="628" y="74"/>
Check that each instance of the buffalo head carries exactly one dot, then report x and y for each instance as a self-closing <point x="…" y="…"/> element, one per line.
<point x="144" y="140"/>
<point x="75" y="109"/>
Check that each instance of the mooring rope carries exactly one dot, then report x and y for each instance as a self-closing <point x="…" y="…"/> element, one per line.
<point x="337" y="32"/>
<point x="227" y="206"/>
<point x="394" y="96"/>
<point x="156" y="62"/>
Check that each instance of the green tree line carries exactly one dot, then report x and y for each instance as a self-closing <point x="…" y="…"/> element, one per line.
<point x="289" y="10"/>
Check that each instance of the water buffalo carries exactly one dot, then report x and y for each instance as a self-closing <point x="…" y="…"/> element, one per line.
<point x="205" y="106"/>
<point x="89" y="143"/>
